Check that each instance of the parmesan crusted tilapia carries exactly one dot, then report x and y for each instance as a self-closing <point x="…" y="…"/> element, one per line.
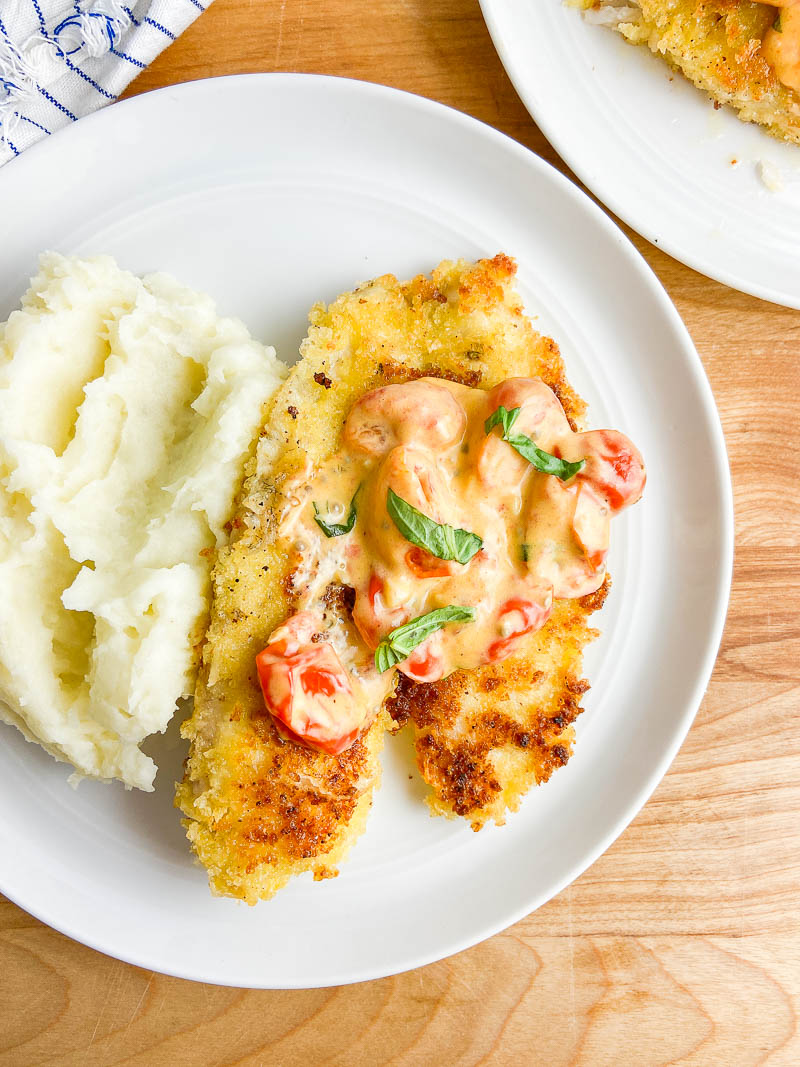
<point x="261" y="808"/>
<point x="734" y="50"/>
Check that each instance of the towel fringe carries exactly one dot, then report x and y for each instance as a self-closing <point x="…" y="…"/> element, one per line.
<point x="90" y="31"/>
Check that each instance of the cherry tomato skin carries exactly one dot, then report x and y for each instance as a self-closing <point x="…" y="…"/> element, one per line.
<point x="375" y="589"/>
<point x="597" y="559"/>
<point x="423" y="665"/>
<point x="365" y="612"/>
<point x="424" y="565"/>
<point x="533" y="396"/>
<point x="333" y="747"/>
<point x="534" y="616"/>
<point x="614" y="468"/>
<point x="317" y="680"/>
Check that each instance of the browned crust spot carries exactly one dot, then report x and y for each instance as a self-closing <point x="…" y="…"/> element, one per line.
<point x="455" y="749"/>
<point x="394" y="373"/>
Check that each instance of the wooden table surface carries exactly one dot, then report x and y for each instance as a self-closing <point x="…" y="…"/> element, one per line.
<point x="682" y="943"/>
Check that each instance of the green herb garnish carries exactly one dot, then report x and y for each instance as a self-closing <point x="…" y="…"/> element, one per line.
<point x="776" y="25"/>
<point x="443" y="541"/>
<point x="502" y="417"/>
<point x="524" y="552"/>
<point x="537" y="457"/>
<point x="400" y="643"/>
<point x="336" y="529"/>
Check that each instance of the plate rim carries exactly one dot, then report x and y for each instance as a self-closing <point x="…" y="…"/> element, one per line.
<point x="694" y="365"/>
<point x="604" y="191"/>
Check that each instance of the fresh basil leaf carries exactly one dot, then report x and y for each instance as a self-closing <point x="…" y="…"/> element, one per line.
<point x="400" y="643"/>
<point x="501" y="417"/>
<point x="443" y="541"/>
<point x="544" y="461"/>
<point x="336" y="529"/>
<point x="385" y="657"/>
<point x="541" y="460"/>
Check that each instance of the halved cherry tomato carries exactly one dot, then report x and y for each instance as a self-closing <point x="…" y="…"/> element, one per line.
<point x="425" y="412"/>
<point x="614" y="467"/>
<point x="532" y="616"/>
<point x="533" y="395"/>
<point x="306" y="687"/>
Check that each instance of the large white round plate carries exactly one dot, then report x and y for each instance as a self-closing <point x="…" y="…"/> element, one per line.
<point x="272" y="192"/>
<point x="654" y="150"/>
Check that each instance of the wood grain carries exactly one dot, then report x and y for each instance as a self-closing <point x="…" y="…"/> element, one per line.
<point x="682" y="943"/>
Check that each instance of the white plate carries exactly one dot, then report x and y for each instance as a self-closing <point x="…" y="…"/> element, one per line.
<point x="272" y="192"/>
<point x="653" y="148"/>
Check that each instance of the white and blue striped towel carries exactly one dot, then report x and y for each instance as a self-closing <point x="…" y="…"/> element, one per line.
<point x="61" y="59"/>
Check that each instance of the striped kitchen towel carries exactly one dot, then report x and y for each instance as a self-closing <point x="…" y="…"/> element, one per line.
<point x="61" y="59"/>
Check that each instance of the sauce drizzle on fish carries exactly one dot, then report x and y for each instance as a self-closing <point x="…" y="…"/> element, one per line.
<point x="430" y="444"/>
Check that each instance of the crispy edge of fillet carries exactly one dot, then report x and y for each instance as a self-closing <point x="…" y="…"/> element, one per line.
<point x="716" y="44"/>
<point x="483" y="738"/>
<point x="261" y="810"/>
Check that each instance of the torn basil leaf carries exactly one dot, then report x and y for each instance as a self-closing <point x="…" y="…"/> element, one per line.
<point x="537" y="457"/>
<point x="502" y="417"/>
<point x="443" y="541"/>
<point x="336" y="529"/>
<point x="400" y="643"/>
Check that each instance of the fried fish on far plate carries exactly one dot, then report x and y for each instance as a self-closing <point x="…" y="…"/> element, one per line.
<point x="740" y="53"/>
<point x="404" y="553"/>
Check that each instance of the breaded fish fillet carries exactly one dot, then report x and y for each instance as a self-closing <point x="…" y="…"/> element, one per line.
<point x="261" y="809"/>
<point x="717" y="45"/>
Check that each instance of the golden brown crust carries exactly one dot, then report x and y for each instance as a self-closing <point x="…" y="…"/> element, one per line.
<point x="484" y="737"/>
<point x="717" y="45"/>
<point x="259" y="809"/>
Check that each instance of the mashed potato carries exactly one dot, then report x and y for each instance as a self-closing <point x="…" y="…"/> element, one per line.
<point x="127" y="411"/>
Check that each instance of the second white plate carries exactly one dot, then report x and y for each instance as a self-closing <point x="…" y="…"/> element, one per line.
<point x="272" y="192"/>
<point x="654" y="149"/>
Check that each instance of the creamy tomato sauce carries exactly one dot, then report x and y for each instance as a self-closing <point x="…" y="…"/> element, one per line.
<point x="426" y="441"/>
<point x="781" y="44"/>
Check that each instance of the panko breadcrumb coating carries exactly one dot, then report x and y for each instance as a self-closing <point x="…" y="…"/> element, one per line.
<point x="260" y="809"/>
<point x="718" y="46"/>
